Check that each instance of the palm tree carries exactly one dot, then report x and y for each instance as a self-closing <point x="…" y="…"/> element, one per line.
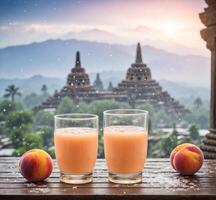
<point x="44" y="88"/>
<point x="198" y="102"/>
<point x="12" y="91"/>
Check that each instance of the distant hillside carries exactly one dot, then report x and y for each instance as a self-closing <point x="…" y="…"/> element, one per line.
<point x="54" y="58"/>
<point x="33" y="84"/>
<point x="183" y="90"/>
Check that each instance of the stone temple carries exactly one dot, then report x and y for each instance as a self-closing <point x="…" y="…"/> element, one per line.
<point x="98" y="84"/>
<point x="138" y="87"/>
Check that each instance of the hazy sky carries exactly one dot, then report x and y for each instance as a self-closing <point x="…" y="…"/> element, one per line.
<point x="169" y="24"/>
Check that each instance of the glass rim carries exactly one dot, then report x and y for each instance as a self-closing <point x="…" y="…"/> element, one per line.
<point x="137" y="112"/>
<point x="72" y="116"/>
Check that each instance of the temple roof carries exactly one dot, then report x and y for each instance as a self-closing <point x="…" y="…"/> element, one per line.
<point x="110" y="86"/>
<point x="77" y="61"/>
<point x="98" y="78"/>
<point x="98" y="84"/>
<point x="138" y="70"/>
<point x="139" y="54"/>
<point x="78" y="78"/>
<point x="77" y="68"/>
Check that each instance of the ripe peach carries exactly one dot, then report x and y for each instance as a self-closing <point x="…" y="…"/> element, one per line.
<point x="35" y="165"/>
<point x="187" y="159"/>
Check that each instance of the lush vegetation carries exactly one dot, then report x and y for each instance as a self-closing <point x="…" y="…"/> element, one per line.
<point x="28" y="130"/>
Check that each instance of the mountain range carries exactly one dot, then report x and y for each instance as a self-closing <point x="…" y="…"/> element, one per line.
<point x="55" y="58"/>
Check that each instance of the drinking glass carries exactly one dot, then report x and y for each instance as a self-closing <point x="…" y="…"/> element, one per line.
<point x="125" y="144"/>
<point x="76" y="143"/>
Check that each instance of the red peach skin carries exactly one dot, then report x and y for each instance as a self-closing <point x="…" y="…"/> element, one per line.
<point x="187" y="159"/>
<point x="35" y="165"/>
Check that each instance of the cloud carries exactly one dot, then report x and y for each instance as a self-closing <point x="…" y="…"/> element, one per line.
<point x="185" y="41"/>
<point x="24" y="33"/>
<point x="146" y="29"/>
<point x="52" y="28"/>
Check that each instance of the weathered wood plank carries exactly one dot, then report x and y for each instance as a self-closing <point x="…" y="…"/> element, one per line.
<point x="202" y="186"/>
<point x="160" y="181"/>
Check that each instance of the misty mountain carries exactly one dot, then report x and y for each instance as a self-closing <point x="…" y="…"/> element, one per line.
<point x="55" y="58"/>
<point x="183" y="90"/>
<point x="96" y="35"/>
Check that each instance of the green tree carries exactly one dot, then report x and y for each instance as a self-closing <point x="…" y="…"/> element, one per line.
<point x="146" y="106"/>
<point x="100" y="144"/>
<point x="161" y="117"/>
<point x="164" y="147"/>
<point x="6" y="107"/>
<point x="82" y="107"/>
<point x="12" y="91"/>
<point x="18" y="118"/>
<point x="174" y="132"/>
<point x="150" y="128"/>
<point x="200" y="118"/>
<point x="1" y="130"/>
<point x="51" y="152"/>
<point x="198" y="103"/>
<point x="44" y="118"/>
<point x="32" y="100"/>
<point x="19" y="151"/>
<point x="194" y="133"/>
<point x="17" y="134"/>
<point x="66" y="106"/>
<point x="170" y="142"/>
<point x="44" y="89"/>
<point x="97" y="107"/>
<point x="47" y="133"/>
<point x="18" y="124"/>
<point x="157" y="116"/>
<point x="30" y="141"/>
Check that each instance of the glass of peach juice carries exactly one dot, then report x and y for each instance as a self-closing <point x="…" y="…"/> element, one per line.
<point x="125" y="144"/>
<point x="76" y="143"/>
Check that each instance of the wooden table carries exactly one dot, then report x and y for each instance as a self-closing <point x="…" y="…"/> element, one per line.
<point x="159" y="182"/>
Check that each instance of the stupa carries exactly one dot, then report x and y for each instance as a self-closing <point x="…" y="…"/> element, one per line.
<point x="78" y="87"/>
<point x="78" y="79"/>
<point x="110" y="86"/>
<point x="140" y="87"/>
<point x="98" y="84"/>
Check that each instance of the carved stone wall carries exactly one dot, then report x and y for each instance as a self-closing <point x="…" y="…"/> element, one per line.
<point x="208" y="18"/>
